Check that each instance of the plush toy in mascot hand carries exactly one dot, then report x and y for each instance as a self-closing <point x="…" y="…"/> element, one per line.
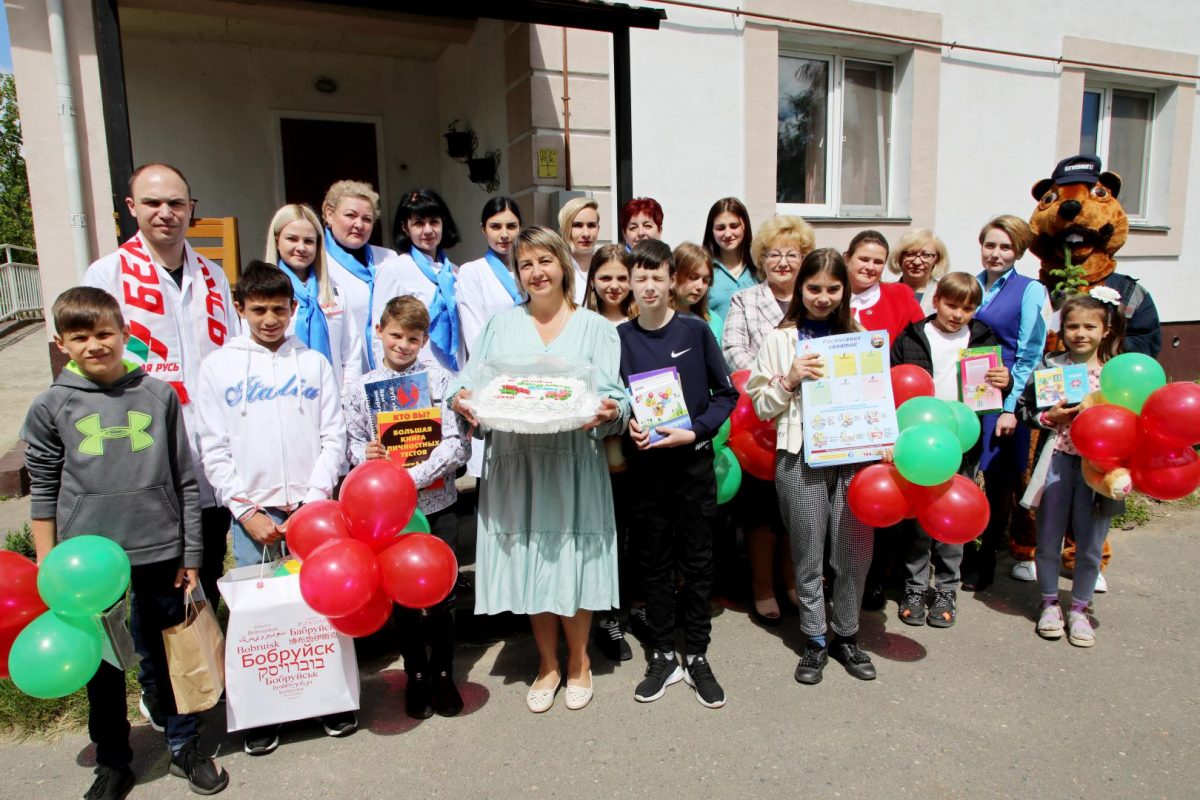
<point x="1079" y="225"/>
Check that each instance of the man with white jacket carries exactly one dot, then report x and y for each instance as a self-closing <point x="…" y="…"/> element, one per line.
<point x="272" y="434"/>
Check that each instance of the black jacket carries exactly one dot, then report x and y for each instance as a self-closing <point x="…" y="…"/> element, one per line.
<point x="912" y="345"/>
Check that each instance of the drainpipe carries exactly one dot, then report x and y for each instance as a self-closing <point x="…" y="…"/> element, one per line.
<point x="566" y="101"/>
<point x="76" y="217"/>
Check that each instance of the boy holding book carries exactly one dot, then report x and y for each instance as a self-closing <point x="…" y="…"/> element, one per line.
<point x="272" y="435"/>
<point x="108" y="454"/>
<point x="935" y="345"/>
<point x="403" y="330"/>
<point x="672" y="468"/>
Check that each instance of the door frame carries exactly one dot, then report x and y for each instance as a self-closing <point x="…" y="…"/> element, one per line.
<point x="384" y="223"/>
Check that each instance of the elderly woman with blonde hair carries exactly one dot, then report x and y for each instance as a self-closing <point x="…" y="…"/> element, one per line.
<point x="779" y="247"/>
<point x="918" y="261"/>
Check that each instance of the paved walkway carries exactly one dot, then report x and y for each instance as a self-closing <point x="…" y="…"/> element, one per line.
<point x="26" y="373"/>
<point x="983" y="710"/>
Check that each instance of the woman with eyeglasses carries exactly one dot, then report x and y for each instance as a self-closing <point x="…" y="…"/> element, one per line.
<point x="920" y="258"/>
<point x="779" y="246"/>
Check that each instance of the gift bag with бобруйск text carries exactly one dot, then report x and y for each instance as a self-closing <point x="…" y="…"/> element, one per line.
<point x="283" y="661"/>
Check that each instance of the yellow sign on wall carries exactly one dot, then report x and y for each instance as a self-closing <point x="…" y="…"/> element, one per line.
<point x="547" y="162"/>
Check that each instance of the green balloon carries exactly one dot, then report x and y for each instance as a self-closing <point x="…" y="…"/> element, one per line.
<point x="419" y="523"/>
<point x="722" y="437"/>
<point x="717" y="326"/>
<point x="55" y="655"/>
<point x="83" y="575"/>
<point x="968" y="424"/>
<point x="927" y="454"/>
<point x="729" y="474"/>
<point x="1130" y="378"/>
<point x="926" y="410"/>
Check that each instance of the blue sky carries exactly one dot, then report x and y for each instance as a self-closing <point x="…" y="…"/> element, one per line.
<point x="5" y="51"/>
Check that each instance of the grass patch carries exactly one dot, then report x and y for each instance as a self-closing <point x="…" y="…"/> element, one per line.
<point x="21" y="542"/>
<point x="1137" y="513"/>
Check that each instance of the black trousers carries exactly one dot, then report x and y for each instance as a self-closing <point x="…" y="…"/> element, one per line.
<point x="157" y="605"/>
<point x="426" y="636"/>
<point x="674" y="504"/>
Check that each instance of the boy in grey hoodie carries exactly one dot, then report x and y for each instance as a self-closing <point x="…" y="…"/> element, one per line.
<point x="108" y="455"/>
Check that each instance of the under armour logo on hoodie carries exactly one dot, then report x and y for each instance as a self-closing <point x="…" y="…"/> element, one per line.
<point x="94" y="435"/>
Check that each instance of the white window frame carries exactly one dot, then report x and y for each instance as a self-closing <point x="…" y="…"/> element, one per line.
<point x="833" y="208"/>
<point x="1103" y="128"/>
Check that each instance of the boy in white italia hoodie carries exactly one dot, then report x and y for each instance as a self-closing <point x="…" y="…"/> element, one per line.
<point x="272" y="435"/>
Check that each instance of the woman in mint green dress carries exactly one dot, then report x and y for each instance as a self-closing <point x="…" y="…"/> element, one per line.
<point x="546" y="542"/>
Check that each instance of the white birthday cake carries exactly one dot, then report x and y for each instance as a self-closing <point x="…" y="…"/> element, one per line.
<point x="534" y="403"/>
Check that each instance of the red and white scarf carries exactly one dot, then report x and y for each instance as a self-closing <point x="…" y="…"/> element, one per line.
<point x="153" y="324"/>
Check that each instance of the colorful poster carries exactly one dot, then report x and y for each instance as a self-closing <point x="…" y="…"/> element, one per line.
<point x="977" y="394"/>
<point x="658" y="401"/>
<point x="849" y="415"/>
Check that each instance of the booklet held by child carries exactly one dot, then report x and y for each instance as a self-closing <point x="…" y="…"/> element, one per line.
<point x="658" y="401"/>
<point x="977" y="394"/>
<point x="1067" y="384"/>
<point x="407" y="423"/>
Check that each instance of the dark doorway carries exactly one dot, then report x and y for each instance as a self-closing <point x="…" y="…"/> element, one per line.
<point x="317" y="152"/>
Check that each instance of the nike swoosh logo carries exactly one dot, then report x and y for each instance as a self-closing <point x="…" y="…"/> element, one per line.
<point x="681" y="352"/>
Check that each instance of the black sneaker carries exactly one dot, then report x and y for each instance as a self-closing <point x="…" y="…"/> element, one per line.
<point x="941" y="612"/>
<point x="417" y="699"/>
<point x="148" y="706"/>
<point x="847" y="652"/>
<point x="661" y="672"/>
<point x="699" y="675"/>
<point x="447" y="702"/>
<point x="342" y="724"/>
<point x="260" y="741"/>
<point x="110" y="784"/>
<point x="203" y="774"/>
<point x="638" y="625"/>
<point x="610" y="639"/>
<point x="873" y="599"/>
<point x="812" y="664"/>
<point x="912" y="610"/>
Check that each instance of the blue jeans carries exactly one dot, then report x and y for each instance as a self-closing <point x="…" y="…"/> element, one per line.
<point x="157" y="605"/>
<point x="248" y="552"/>
<point x="1067" y="499"/>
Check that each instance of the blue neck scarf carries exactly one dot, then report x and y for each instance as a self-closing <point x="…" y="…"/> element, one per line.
<point x="365" y="274"/>
<point x="311" y="326"/>
<point x="443" y="311"/>
<point x="500" y="270"/>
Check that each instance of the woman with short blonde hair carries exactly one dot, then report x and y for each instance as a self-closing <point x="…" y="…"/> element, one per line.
<point x="920" y="259"/>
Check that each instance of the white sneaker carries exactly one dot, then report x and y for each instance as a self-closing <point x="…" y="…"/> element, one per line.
<point x="1101" y="583"/>
<point x="1024" y="571"/>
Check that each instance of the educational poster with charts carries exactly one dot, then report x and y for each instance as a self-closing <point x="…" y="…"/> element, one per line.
<point x="849" y="415"/>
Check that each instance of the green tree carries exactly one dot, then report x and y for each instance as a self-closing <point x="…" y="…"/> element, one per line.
<point x="16" y="213"/>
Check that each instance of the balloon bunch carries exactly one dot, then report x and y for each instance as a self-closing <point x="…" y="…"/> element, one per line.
<point x="751" y="440"/>
<point x="1139" y="431"/>
<point x="368" y="549"/>
<point x="923" y="482"/>
<point x="50" y="637"/>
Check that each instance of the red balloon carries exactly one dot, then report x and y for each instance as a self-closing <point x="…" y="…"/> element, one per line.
<point x="1165" y="471"/>
<point x="18" y="575"/>
<point x="877" y="496"/>
<point x="743" y="417"/>
<point x="378" y="499"/>
<point x="955" y="514"/>
<point x="1107" y="465"/>
<point x="368" y="619"/>
<point x="1105" y="432"/>
<point x="16" y="611"/>
<point x="1172" y="413"/>
<point x="418" y="571"/>
<point x="313" y="525"/>
<point x="759" y="461"/>
<point x="738" y="379"/>
<point x="339" y="577"/>
<point x="909" y="381"/>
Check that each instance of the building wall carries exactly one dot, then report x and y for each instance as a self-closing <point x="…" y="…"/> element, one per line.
<point x="1001" y="122"/>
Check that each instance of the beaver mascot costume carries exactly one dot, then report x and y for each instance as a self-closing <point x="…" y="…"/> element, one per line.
<point x="1079" y="225"/>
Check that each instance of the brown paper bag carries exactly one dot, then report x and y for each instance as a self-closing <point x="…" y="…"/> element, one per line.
<point x="196" y="658"/>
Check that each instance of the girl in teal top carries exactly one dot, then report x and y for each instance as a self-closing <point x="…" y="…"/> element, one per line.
<point x="727" y="238"/>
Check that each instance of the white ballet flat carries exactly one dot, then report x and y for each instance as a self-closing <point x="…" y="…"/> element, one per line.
<point x="579" y="696"/>
<point x="540" y="700"/>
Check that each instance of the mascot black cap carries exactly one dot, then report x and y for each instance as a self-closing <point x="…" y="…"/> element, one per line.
<point x="1077" y="169"/>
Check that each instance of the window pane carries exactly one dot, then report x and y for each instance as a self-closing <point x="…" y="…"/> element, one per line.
<point x="801" y="147"/>
<point x="866" y="130"/>
<point x="1089" y="124"/>
<point x="1129" y="146"/>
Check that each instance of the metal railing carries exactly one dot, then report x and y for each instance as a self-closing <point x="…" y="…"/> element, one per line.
<point x="20" y="284"/>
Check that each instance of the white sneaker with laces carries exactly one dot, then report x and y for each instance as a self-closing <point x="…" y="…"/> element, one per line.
<point x="1024" y="571"/>
<point x="1101" y="583"/>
